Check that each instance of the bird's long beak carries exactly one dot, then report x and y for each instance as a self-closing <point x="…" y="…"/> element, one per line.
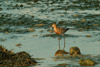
<point x="51" y="28"/>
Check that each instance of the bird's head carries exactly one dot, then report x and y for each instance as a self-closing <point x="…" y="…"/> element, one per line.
<point x="53" y="25"/>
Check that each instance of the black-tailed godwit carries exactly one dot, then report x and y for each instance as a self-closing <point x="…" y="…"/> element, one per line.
<point x="60" y="31"/>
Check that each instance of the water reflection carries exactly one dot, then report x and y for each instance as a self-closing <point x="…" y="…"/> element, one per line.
<point x="62" y="65"/>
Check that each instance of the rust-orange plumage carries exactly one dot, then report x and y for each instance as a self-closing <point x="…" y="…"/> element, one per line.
<point x="59" y="31"/>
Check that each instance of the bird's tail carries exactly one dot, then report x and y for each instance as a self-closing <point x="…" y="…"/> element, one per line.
<point x="67" y="29"/>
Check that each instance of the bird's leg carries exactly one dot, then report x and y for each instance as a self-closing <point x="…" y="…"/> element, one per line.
<point x="64" y="43"/>
<point x="59" y="42"/>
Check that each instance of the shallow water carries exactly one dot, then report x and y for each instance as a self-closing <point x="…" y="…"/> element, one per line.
<point x="45" y="47"/>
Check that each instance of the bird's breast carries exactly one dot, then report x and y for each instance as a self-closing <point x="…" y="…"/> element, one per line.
<point x="57" y="31"/>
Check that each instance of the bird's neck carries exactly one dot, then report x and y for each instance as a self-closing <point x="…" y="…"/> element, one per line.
<point x="55" y="27"/>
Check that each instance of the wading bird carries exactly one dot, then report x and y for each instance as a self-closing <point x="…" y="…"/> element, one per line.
<point x="60" y="31"/>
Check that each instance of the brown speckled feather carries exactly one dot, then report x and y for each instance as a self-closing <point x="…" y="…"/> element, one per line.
<point x="59" y="30"/>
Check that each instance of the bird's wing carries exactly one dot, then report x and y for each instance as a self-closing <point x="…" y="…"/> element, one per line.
<point x="61" y="30"/>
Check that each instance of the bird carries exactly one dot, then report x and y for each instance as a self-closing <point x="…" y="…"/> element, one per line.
<point x="59" y="31"/>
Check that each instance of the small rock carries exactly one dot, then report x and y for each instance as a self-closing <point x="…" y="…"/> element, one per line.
<point x="21" y="5"/>
<point x="31" y="30"/>
<point x="80" y="30"/>
<point x="83" y="20"/>
<point x="6" y="32"/>
<point x="60" y="53"/>
<point x="61" y="65"/>
<point x="1" y="9"/>
<point x="2" y="39"/>
<point x="34" y="35"/>
<point x="39" y="58"/>
<point x="98" y="40"/>
<point x="41" y="31"/>
<point x="35" y="1"/>
<point x="32" y="16"/>
<point x="52" y="9"/>
<point x="95" y="24"/>
<point x="87" y="62"/>
<point x="18" y="45"/>
<point x="39" y="25"/>
<point x="62" y="15"/>
<point x="76" y="15"/>
<point x="88" y="35"/>
<point x="75" y="51"/>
